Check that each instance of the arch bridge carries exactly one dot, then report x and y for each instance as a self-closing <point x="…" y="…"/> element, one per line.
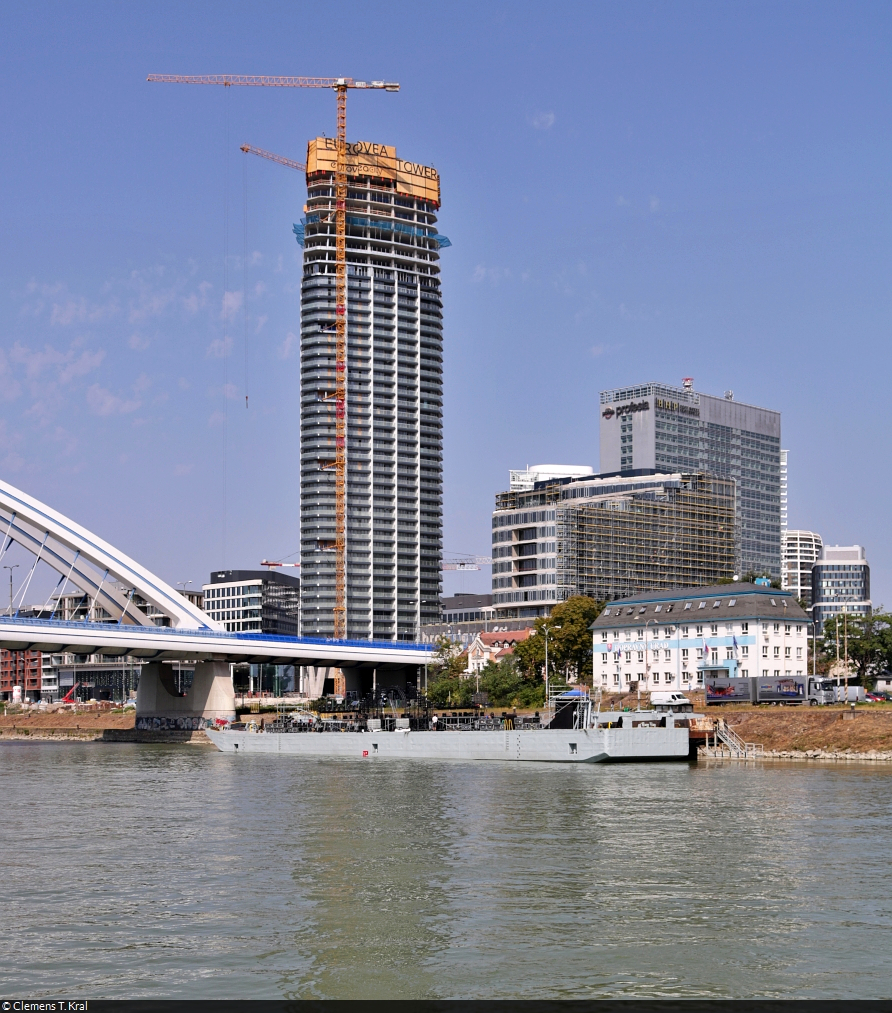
<point x="130" y="612"/>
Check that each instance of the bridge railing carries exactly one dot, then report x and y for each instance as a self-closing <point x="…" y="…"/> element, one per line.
<point x="56" y="624"/>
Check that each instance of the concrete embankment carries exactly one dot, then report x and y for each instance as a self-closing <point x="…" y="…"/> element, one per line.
<point x="88" y="726"/>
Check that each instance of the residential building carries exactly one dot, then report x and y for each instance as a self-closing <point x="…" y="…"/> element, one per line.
<point x="394" y="446"/>
<point x="20" y="675"/>
<point x="673" y="639"/>
<point x="657" y="427"/>
<point x="607" y="537"/>
<point x="264" y="601"/>
<point x="467" y="608"/>
<point x="840" y="582"/>
<point x="800" y="551"/>
<point x="493" y="647"/>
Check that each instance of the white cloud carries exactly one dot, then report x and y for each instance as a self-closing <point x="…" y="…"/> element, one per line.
<point x="232" y="303"/>
<point x="216" y="419"/>
<point x="288" y="346"/>
<point x="543" y="121"/>
<point x="68" y="364"/>
<point x="138" y="343"/>
<point x="655" y="203"/>
<point x="219" y="348"/>
<point x="103" y="402"/>
<point x="230" y="391"/>
<point x="261" y="321"/>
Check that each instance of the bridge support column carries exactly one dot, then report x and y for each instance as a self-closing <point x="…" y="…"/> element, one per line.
<point x="210" y="697"/>
<point x="314" y="677"/>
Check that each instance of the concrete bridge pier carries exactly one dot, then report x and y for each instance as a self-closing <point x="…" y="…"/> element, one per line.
<point x="210" y="696"/>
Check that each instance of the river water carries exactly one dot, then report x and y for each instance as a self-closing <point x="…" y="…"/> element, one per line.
<point x="181" y="872"/>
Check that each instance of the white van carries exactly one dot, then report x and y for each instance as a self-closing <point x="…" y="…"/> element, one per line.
<point x="670" y="700"/>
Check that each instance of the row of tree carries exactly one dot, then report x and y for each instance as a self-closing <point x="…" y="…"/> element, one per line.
<point x="867" y="640"/>
<point x="517" y="680"/>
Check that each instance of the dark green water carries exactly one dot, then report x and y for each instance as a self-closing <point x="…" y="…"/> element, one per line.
<point x="180" y="872"/>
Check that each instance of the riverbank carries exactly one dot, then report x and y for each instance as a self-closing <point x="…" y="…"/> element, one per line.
<point x="88" y="726"/>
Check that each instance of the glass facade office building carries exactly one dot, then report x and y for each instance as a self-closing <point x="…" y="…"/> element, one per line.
<point x="655" y="427"/>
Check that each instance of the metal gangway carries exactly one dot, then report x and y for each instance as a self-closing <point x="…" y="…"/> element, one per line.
<point x="727" y="744"/>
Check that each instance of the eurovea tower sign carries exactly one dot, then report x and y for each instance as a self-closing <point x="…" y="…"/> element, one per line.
<point x="376" y="161"/>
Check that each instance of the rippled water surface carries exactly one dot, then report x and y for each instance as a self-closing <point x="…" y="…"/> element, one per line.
<point x="181" y="872"/>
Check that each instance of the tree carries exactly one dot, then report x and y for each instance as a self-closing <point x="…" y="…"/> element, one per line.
<point x="569" y="648"/>
<point x="444" y="674"/>
<point x="507" y="687"/>
<point x="869" y="642"/>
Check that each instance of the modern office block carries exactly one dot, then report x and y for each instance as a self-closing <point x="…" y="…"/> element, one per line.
<point x="801" y="549"/>
<point x="657" y="427"/>
<point x="840" y="582"/>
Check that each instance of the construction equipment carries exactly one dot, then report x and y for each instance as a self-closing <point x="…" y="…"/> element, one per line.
<point x="466" y="563"/>
<point x="340" y="85"/>
<point x="69" y="696"/>
<point x="273" y="157"/>
<point x="270" y="564"/>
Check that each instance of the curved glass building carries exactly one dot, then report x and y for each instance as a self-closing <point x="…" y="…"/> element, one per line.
<point x="394" y="394"/>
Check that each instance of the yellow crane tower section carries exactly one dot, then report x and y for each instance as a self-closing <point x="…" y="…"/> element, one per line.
<point x="340" y="85"/>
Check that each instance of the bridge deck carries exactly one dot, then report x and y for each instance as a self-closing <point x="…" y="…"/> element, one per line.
<point x="158" y="643"/>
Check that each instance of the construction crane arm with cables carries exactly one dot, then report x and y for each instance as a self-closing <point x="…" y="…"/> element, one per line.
<point x="340" y="85"/>
<point x="289" y="162"/>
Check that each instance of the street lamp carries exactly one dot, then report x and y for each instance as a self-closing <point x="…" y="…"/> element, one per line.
<point x="10" y="568"/>
<point x="646" y="661"/>
<point x="546" y="630"/>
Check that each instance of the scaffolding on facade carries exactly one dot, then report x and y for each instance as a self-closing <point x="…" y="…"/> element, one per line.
<point x="680" y="536"/>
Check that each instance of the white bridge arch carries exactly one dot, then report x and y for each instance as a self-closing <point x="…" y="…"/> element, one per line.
<point x="112" y="580"/>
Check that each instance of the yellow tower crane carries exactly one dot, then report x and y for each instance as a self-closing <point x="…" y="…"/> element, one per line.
<point x="340" y="86"/>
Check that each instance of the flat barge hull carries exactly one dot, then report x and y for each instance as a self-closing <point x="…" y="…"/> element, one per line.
<point x="595" y="745"/>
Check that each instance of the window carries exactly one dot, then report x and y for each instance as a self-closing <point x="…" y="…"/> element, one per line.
<point x="786" y="652"/>
<point x="628" y="657"/>
<point x="744" y="652"/>
<point x="604" y="658"/>
<point x="764" y="650"/>
<point x="656" y="677"/>
<point x="702" y="605"/>
<point x="798" y="652"/>
<point x="714" y="630"/>
<point x="616" y="677"/>
<point x="699" y="631"/>
<point x="787" y="629"/>
<point x="729" y="653"/>
<point x="716" y="604"/>
<point x="777" y="652"/>
<point x="641" y="655"/>
<point x="628" y="634"/>
<point x="684" y="655"/>
<point x="606" y="612"/>
<point x="732" y="603"/>
<point x="773" y="602"/>
<point x="798" y="629"/>
<point x="604" y="637"/>
<point x="667" y="655"/>
<point x="659" y="608"/>
<point x="684" y="631"/>
<point x="777" y="673"/>
<point x="744" y="627"/>
<point x="745" y="673"/>
<point x="687" y="605"/>
<point x="777" y="627"/>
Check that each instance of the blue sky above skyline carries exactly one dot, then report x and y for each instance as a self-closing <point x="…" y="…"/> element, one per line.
<point x="637" y="191"/>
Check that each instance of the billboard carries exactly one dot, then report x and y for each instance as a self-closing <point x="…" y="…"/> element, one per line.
<point x="380" y="161"/>
<point x="725" y="690"/>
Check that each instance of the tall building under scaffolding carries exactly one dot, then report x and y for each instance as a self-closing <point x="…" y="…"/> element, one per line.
<point x="608" y="538"/>
<point x="394" y="394"/>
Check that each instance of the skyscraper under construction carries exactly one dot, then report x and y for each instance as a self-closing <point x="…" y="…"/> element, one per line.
<point x="394" y="403"/>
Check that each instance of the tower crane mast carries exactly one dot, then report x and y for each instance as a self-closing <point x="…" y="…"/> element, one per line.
<point x="340" y="85"/>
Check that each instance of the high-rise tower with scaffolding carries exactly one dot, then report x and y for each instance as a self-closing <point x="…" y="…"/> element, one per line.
<point x="394" y="394"/>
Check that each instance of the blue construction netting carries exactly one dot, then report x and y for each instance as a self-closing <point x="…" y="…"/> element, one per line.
<point x="381" y="224"/>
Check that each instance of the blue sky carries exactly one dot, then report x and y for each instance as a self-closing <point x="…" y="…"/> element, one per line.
<point x="634" y="191"/>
